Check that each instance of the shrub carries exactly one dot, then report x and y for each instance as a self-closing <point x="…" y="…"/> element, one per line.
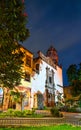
<point x="72" y="109"/>
<point x="45" y="108"/>
<point x="27" y="112"/>
<point x="64" y="108"/>
<point x="18" y="113"/>
<point x="10" y="112"/>
<point x="55" y="112"/>
<point x="23" y="113"/>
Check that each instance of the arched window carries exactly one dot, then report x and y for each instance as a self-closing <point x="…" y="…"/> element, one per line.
<point x="27" y="77"/>
<point x="37" y="68"/>
<point x="50" y="79"/>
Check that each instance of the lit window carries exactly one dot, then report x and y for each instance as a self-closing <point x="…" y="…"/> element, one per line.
<point x="27" y="77"/>
<point x="37" y="68"/>
<point x="28" y="61"/>
<point x="26" y="101"/>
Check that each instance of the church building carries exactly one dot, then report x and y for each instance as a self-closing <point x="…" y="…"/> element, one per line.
<point x="42" y="83"/>
<point x="47" y="80"/>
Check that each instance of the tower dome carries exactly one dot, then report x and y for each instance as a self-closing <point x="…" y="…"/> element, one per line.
<point x="52" y="53"/>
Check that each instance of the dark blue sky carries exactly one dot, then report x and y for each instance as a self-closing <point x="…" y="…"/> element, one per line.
<point x="57" y="23"/>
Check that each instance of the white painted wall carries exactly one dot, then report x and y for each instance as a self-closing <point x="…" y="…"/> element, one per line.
<point x="58" y="82"/>
<point x="25" y="83"/>
<point x="38" y="81"/>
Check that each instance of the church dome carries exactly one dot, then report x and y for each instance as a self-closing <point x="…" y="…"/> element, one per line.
<point x="52" y="53"/>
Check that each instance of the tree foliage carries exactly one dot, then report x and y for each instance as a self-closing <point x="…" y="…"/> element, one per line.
<point x="72" y="73"/>
<point x="74" y="78"/>
<point x="12" y="30"/>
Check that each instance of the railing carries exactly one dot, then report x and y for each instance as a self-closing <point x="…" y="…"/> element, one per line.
<point x="37" y="121"/>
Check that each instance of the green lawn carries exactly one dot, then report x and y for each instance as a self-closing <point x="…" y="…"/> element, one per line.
<point x="57" y="127"/>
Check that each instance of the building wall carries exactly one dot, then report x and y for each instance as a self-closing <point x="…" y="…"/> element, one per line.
<point x="26" y="67"/>
<point x="68" y="92"/>
<point x="26" y="85"/>
<point x="39" y="80"/>
<point x="70" y="100"/>
<point x="58" y="82"/>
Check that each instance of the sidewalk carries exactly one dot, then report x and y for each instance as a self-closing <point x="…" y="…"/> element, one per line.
<point x="71" y="115"/>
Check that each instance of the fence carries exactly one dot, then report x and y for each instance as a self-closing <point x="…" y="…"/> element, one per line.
<point x="36" y="121"/>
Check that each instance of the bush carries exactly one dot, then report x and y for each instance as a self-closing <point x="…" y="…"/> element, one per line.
<point x="72" y="109"/>
<point x="10" y="112"/>
<point x="64" y="108"/>
<point x="55" y="112"/>
<point x="17" y="113"/>
<point x="28" y="112"/>
<point x="23" y="113"/>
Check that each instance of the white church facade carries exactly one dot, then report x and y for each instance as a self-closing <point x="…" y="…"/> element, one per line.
<point x="47" y="80"/>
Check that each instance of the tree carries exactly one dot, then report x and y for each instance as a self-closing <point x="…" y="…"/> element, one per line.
<point x="17" y="97"/>
<point x="12" y="30"/>
<point x="74" y="78"/>
<point x="76" y="87"/>
<point x="72" y="73"/>
<point x="79" y="72"/>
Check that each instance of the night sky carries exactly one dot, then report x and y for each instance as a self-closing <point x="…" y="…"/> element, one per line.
<point x="57" y="23"/>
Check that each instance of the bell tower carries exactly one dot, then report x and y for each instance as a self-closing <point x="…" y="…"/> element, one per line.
<point x="52" y="53"/>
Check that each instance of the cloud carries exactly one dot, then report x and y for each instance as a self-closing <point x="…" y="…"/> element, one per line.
<point x="62" y="36"/>
<point x="68" y="36"/>
<point x="56" y="22"/>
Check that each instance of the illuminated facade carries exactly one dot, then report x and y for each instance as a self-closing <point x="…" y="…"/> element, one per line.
<point x="67" y="92"/>
<point x="25" y="86"/>
<point x="42" y="83"/>
<point x="70" y="100"/>
<point x="47" y="79"/>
